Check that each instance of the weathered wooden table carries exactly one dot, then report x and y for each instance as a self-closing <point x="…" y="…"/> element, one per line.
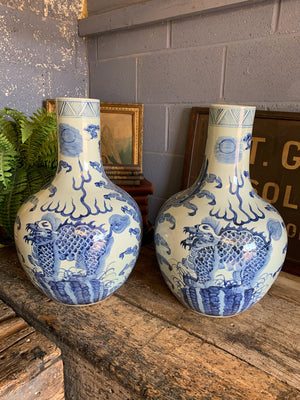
<point x="141" y="343"/>
<point x="30" y="364"/>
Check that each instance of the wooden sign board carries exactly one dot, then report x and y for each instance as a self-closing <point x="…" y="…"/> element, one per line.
<point x="274" y="166"/>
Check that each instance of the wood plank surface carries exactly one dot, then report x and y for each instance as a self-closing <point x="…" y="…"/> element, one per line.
<point x="30" y="365"/>
<point x="266" y="335"/>
<point x="287" y="287"/>
<point x="47" y="385"/>
<point x="21" y="366"/>
<point x="5" y="312"/>
<point x="11" y="326"/>
<point x="154" y="348"/>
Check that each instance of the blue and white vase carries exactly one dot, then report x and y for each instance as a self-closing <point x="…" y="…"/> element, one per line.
<point x="219" y="245"/>
<point x="78" y="238"/>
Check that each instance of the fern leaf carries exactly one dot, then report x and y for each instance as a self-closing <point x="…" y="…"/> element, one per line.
<point x="26" y="130"/>
<point x="8" y="164"/>
<point x="24" y="185"/>
<point x="11" y="200"/>
<point x="5" y="143"/>
<point x="43" y="130"/>
<point x="12" y="120"/>
<point x="8" y="132"/>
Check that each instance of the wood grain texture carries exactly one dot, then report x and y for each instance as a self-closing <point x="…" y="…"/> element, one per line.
<point x="141" y="343"/>
<point x="5" y="312"/>
<point x="30" y="365"/>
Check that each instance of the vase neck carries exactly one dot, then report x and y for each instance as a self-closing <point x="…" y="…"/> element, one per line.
<point x="78" y="127"/>
<point x="229" y="140"/>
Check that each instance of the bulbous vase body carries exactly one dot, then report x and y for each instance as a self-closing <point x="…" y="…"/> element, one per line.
<point x="78" y="238"/>
<point x="219" y="245"/>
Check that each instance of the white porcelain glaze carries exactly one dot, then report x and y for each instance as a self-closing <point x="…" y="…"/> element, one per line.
<point x="78" y="238"/>
<point x="219" y="245"/>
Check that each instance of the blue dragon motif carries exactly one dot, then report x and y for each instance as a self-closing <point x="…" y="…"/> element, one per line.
<point x="85" y="246"/>
<point x="223" y="265"/>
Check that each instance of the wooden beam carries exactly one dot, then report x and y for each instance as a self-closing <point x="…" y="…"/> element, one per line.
<point x="152" y="11"/>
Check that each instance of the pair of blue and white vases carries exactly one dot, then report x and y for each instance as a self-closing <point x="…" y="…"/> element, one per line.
<point x="219" y="245"/>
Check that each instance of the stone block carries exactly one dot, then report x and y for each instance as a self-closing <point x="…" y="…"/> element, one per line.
<point x="180" y="76"/>
<point x="132" y="41"/>
<point x="114" y="80"/>
<point x="155" y="204"/>
<point x="22" y="87"/>
<point x="179" y="119"/>
<point x="63" y="10"/>
<point x="289" y="16"/>
<point x="91" y="46"/>
<point x="29" y="40"/>
<point x="155" y="120"/>
<point x="225" y="26"/>
<point x="264" y="70"/>
<point x="35" y="6"/>
<point x="62" y="83"/>
<point x="165" y="172"/>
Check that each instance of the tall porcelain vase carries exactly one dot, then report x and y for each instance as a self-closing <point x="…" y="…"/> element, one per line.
<point x="219" y="245"/>
<point x="78" y="238"/>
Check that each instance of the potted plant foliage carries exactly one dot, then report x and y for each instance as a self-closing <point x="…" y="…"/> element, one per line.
<point x="28" y="160"/>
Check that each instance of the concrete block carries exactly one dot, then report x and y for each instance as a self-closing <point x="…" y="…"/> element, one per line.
<point x="132" y="41"/>
<point x="36" y="6"/>
<point x="114" y="80"/>
<point x="22" y="87"/>
<point x="29" y="40"/>
<point x="63" y="10"/>
<point x="62" y="83"/>
<point x="91" y="45"/>
<point x="179" y="76"/>
<point x="279" y="106"/>
<point x="155" y="204"/>
<point x="265" y="70"/>
<point x="165" y="172"/>
<point x="289" y="16"/>
<point x="179" y="119"/>
<point x="155" y="128"/>
<point x="241" y="23"/>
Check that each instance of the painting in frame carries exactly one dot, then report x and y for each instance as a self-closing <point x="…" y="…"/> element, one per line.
<point x="121" y="140"/>
<point x="274" y="166"/>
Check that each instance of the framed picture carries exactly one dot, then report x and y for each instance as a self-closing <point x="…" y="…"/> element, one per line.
<point x="274" y="166"/>
<point x="121" y="140"/>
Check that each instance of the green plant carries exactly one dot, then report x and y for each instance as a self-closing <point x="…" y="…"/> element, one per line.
<point x="28" y="159"/>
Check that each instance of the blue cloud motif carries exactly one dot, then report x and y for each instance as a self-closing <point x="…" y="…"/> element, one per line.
<point x="92" y="130"/>
<point x="70" y="140"/>
<point x="226" y="150"/>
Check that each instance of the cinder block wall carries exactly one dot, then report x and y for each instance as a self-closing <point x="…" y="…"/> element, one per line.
<point x="249" y="55"/>
<point x="41" y="54"/>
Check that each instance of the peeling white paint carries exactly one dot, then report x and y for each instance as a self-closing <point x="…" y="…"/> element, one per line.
<point x="63" y="9"/>
<point x="41" y="55"/>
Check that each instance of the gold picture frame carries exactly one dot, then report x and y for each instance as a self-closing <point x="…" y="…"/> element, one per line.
<point x="121" y="140"/>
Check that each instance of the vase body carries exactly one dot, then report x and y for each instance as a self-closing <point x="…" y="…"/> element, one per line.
<point x="78" y="238"/>
<point x="219" y="245"/>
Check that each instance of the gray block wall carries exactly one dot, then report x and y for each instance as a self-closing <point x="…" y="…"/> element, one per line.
<point x="249" y="54"/>
<point x="41" y="54"/>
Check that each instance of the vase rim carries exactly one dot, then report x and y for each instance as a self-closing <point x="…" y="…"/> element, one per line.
<point x="232" y="106"/>
<point x="76" y="99"/>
